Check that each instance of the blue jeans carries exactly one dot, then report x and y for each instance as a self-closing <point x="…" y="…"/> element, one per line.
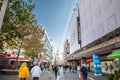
<point x="35" y="78"/>
<point x="84" y="76"/>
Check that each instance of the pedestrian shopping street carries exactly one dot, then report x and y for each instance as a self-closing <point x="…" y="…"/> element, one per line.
<point x="60" y="39"/>
<point x="63" y="76"/>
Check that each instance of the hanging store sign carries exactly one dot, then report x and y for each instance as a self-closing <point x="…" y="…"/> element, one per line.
<point x="89" y="60"/>
<point x="78" y="29"/>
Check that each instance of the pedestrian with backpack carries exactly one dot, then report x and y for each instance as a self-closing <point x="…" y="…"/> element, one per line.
<point x="84" y="71"/>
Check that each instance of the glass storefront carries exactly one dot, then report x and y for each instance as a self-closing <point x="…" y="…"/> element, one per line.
<point x="108" y="67"/>
<point x="91" y="66"/>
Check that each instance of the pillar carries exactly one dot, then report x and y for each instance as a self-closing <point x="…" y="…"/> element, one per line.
<point x="96" y="64"/>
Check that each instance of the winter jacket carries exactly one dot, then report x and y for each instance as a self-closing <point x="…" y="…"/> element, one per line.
<point x="84" y="70"/>
<point x="36" y="71"/>
<point x="23" y="71"/>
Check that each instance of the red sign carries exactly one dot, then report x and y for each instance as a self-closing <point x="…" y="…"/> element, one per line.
<point x="89" y="60"/>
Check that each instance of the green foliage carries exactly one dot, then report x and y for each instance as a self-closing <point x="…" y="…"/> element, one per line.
<point x="33" y="44"/>
<point x="32" y="55"/>
<point x="111" y="77"/>
<point x="115" y="76"/>
<point x="18" y="13"/>
<point x="19" y="30"/>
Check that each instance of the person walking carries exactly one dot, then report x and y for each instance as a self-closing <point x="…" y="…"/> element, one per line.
<point x="70" y="67"/>
<point x="55" y="71"/>
<point x="23" y="72"/>
<point x="36" y="71"/>
<point x="84" y="72"/>
<point x="64" y="68"/>
<point x="50" y="71"/>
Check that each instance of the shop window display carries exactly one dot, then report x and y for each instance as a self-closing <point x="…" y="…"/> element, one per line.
<point x="91" y="66"/>
<point x="108" y="67"/>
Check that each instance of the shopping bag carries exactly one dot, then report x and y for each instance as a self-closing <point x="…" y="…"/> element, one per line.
<point x="80" y="76"/>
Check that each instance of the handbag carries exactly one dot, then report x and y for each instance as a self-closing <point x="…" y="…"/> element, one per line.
<point x="80" y="76"/>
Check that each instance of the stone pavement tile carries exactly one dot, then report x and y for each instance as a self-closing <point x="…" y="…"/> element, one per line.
<point x="8" y="77"/>
<point x="75" y="76"/>
<point x="68" y="76"/>
<point x="44" y="76"/>
<point x="102" y="77"/>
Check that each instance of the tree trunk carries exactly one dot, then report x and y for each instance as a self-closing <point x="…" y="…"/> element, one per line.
<point x="17" y="65"/>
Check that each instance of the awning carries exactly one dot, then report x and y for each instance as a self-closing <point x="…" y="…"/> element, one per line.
<point x="4" y="55"/>
<point x="8" y="56"/>
<point x="19" y="58"/>
<point x="115" y="54"/>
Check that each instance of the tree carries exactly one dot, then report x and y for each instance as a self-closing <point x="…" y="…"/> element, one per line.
<point x="19" y="24"/>
<point x="33" y="43"/>
<point x="18" y="14"/>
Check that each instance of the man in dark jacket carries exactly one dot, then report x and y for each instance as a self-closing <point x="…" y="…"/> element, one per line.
<point x="55" y="68"/>
<point x="84" y="71"/>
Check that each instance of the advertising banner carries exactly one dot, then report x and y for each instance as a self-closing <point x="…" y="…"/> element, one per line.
<point x="78" y="30"/>
<point x="96" y="64"/>
<point x="73" y="33"/>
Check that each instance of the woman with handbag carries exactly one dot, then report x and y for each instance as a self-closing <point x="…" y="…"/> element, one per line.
<point x="84" y="71"/>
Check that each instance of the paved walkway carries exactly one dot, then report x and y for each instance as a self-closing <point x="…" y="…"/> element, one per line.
<point x="91" y="76"/>
<point x="75" y="76"/>
<point x="45" y="76"/>
<point x="67" y="75"/>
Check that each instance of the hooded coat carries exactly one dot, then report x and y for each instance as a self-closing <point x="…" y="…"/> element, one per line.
<point x="23" y="71"/>
<point x="36" y="71"/>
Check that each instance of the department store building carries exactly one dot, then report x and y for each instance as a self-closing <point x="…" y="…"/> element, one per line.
<point x="95" y="29"/>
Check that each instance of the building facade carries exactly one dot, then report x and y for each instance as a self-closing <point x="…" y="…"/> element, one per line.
<point x="66" y="50"/>
<point x="99" y="32"/>
<point x="47" y="48"/>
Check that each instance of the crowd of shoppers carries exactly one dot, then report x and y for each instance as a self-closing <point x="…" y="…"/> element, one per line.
<point x="35" y="70"/>
<point x="83" y="69"/>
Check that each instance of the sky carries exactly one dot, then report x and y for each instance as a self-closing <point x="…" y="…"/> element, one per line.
<point x="55" y="16"/>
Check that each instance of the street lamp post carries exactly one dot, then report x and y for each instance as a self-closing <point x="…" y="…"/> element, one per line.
<point x="2" y="12"/>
